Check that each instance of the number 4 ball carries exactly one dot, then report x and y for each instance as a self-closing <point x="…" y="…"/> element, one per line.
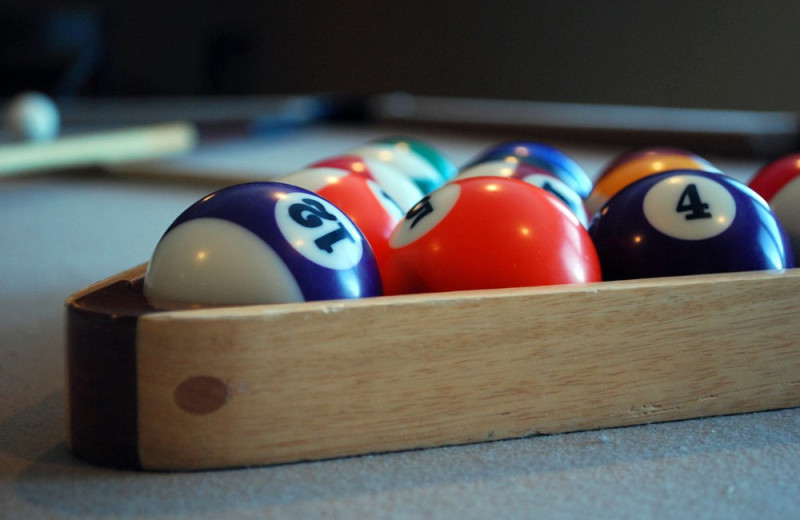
<point x="263" y="242"/>
<point x="687" y="222"/>
<point x="633" y="165"/>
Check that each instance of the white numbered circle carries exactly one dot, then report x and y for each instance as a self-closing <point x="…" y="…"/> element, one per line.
<point x="556" y="187"/>
<point x="689" y="207"/>
<point x="564" y="193"/>
<point x="318" y="230"/>
<point x="425" y="215"/>
<point x="398" y="185"/>
<point x="385" y="200"/>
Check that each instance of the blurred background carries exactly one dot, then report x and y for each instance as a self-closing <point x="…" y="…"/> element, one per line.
<point x="703" y="53"/>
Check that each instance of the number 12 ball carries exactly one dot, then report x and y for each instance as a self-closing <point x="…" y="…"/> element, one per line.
<point x="687" y="222"/>
<point x="263" y="242"/>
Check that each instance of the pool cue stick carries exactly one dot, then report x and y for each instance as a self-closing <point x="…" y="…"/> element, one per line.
<point x="195" y="124"/>
<point x="98" y="148"/>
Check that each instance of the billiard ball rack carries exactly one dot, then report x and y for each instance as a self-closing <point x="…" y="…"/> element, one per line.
<point x="202" y="388"/>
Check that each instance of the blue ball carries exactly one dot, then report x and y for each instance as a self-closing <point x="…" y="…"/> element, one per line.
<point x="687" y="222"/>
<point x="544" y="156"/>
<point x="263" y="242"/>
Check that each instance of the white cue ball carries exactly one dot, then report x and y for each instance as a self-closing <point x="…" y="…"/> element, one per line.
<point x="32" y="116"/>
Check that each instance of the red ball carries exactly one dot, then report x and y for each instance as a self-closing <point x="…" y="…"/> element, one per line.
<point x="484" y="233"/>
<point x="779" y="183"/>
<point x="399" y="187"/>
<point x="360" y="198"/>
<point x="531" y="174"/>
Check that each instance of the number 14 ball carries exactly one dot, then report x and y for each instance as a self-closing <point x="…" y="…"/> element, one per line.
<point x="262" y="242"/>
<point x="687" y="222"/>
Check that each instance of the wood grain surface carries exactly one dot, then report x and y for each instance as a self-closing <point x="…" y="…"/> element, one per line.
<point x="269" y="384"/>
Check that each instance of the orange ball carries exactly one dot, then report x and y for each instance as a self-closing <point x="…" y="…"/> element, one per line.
<point x="637" y="164"/>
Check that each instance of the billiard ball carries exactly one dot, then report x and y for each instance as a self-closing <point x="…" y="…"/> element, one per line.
<point x="533" y="175"/>
<point x="488" y="232"/>
<point x="427" y="167"/>
<point x="685" y="222"/>
<point x="542" y="155"/>
<point x="263" y="242"/>
<point x="372" y="210"/>
<point x="779" y="183"/>
<point x="32" y="116"/>
<point x="397" y="185"/>
<point x="635" y="164"/>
